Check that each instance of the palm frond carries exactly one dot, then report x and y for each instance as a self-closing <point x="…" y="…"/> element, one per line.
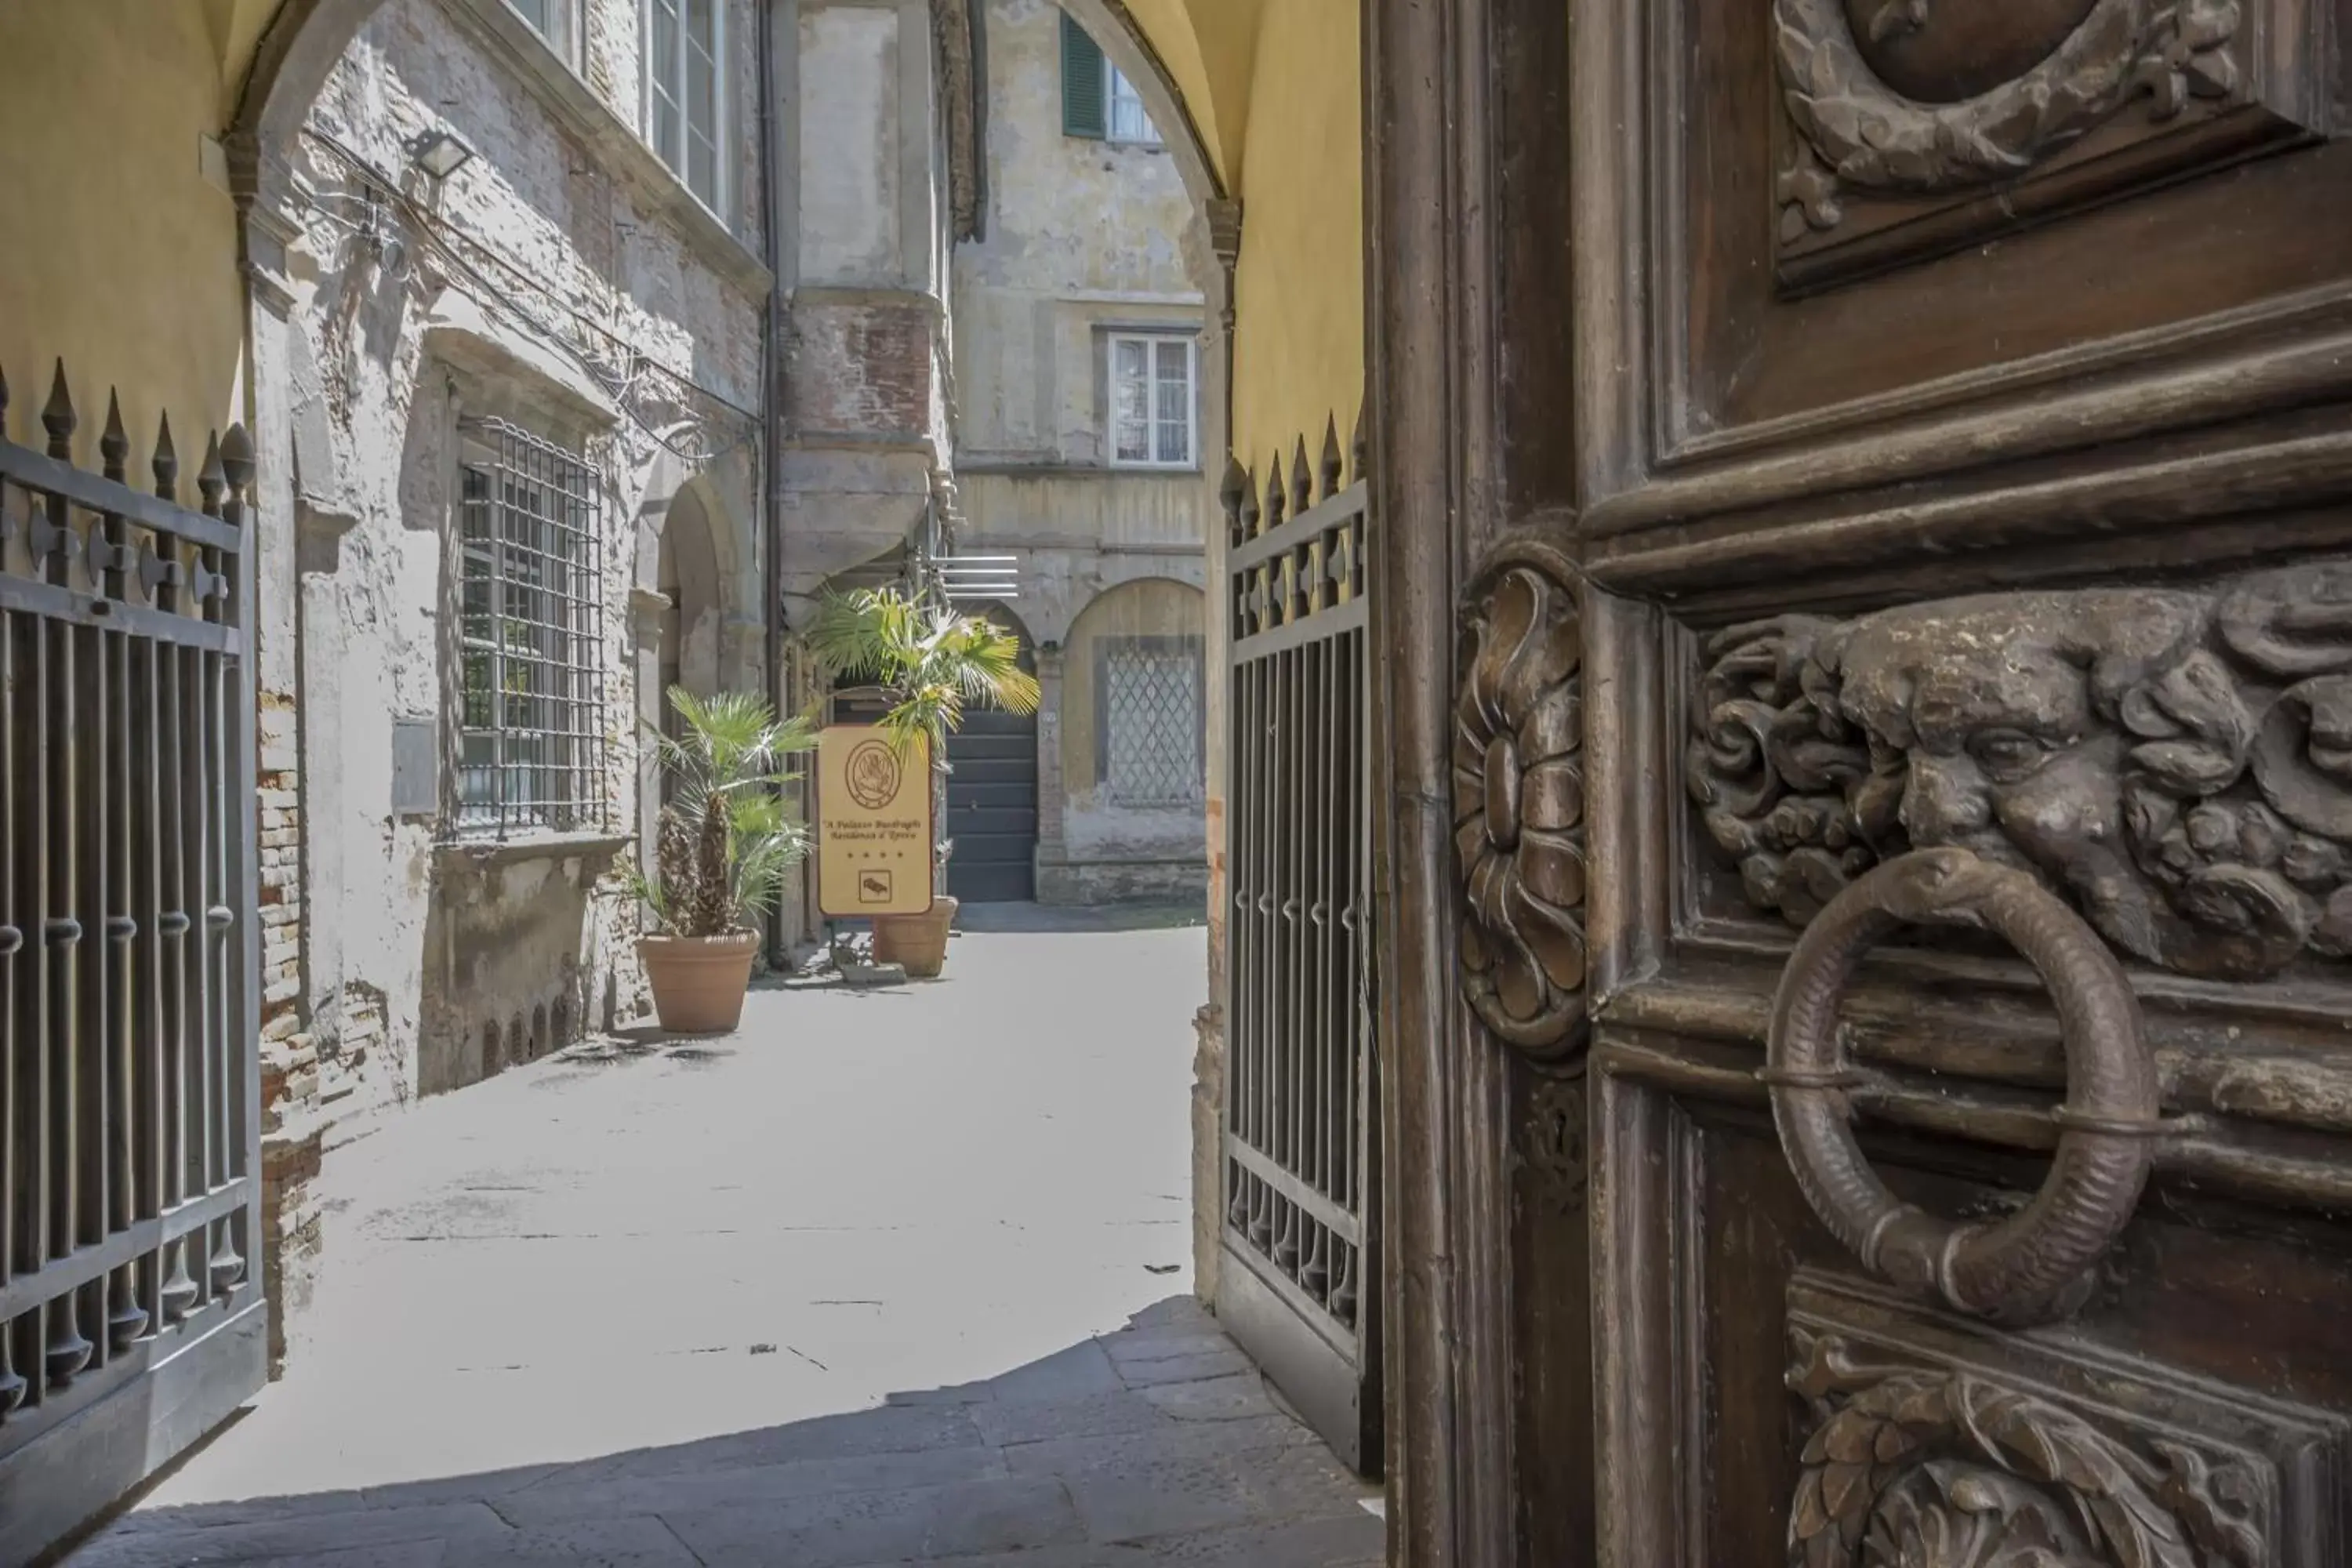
<point x="727" y="835"/>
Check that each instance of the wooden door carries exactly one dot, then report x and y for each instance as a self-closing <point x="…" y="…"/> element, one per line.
<point x="1870" y="835"/>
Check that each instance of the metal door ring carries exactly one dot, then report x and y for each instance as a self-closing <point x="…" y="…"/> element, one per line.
<point x="2014" y="1268"/>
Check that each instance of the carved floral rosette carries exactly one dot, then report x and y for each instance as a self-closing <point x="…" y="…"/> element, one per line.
<point x="2177" y="763"/>
<point x="1518" y="800"/>
<point x="1936" y="1467"/>
<point x="1858" y="129"/>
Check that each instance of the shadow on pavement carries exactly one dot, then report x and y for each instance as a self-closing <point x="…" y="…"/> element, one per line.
<point x="1155" y="1444"/>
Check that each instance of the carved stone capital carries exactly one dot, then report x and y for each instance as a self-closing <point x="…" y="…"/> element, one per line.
<point x="1518" y="799"/>
<point x="2177" y="762"/>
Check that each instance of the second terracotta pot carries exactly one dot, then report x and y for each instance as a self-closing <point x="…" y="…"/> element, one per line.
<point x="917" y="943"/>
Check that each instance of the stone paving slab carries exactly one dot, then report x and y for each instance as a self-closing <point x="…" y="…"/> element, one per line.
<point x="1041" y="1468"/>
<point x="859" y="1286"/>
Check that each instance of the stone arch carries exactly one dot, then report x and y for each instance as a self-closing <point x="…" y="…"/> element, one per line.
<point x="1140" y="639"/>
<point x="291" y="64"/>
<point x="1114" y="30"/>
<point x="1058" y="612"/>
<point x="687" y="574"/>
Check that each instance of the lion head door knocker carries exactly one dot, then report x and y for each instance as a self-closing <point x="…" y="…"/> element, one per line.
<point x="2156" y="774"/>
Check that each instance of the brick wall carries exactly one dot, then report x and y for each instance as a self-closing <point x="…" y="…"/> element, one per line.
<point x="291" y="1123"/>
<point x="863" y="369"/>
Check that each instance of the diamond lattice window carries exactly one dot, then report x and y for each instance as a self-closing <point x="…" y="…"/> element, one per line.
<point x="1151" y="721"/>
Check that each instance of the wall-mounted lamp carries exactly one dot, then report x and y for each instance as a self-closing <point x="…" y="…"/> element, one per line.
<point x="440" y="154"/>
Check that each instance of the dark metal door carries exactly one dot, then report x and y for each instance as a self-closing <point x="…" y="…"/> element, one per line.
<point x="1297" y="1283"/>
<point x="992" y="807"/>
<point x="131" y="1315"/>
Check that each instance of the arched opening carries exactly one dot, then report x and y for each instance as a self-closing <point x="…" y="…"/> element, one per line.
<point x="992" y="795"/>
<point x="687" y="575"/>
<point x="1131" y="748"/>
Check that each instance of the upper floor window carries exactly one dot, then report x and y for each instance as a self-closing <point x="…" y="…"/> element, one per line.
<point x="1097" y="100"/>
<point x="684" y="95"/>
<point x="1151" y="402"/>
<point x="557" y="21"/>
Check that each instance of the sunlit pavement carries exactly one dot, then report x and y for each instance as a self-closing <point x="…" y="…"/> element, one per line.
<point x="899" y="1276"/>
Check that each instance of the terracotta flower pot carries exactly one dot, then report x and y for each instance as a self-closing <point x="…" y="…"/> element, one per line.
<point x="698" y="981"/>
<point x="919" y="943"/>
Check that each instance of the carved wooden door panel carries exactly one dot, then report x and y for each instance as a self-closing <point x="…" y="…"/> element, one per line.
<point x="1903" y="782"/>
<point x="1964" y="537"/>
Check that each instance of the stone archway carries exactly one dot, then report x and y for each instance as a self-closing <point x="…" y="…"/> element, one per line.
<point x="687" y="575"/>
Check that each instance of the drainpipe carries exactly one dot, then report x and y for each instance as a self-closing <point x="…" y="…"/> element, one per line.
<point x="771" y="403"/>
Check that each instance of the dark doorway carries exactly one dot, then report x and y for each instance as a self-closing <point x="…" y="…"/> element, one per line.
<point x="992" y="796"/>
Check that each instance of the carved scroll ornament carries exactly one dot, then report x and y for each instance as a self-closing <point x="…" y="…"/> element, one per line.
<point x="2176" y="764"/>
<point x="1914" y="1467"/>
<point x="1518" y="800"/>
<point x="1926" y="96"/>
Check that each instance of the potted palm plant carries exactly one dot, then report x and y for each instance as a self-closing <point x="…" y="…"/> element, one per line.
<point x="723" y="845"/>
<point x="927" y="663"/>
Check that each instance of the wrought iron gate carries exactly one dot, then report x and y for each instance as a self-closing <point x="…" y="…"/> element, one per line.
<point x="132" y="1317"/>
<point x="1298" y="1288"/>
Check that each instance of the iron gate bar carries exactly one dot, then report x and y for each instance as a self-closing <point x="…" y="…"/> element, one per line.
<point x="1298" y="1110"/>
<point x="129" y="1201"/>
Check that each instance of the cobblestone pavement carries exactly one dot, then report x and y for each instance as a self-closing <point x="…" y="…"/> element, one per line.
<point x="885" y="1278"/>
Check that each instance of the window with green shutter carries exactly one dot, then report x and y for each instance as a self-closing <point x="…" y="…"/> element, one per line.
<point x="1083" y="76"/>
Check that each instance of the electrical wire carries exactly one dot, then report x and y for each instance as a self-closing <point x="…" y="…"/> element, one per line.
<point x="625" y="384"/>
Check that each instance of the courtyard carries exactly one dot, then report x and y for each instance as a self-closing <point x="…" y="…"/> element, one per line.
<point x="885" y="1277"/>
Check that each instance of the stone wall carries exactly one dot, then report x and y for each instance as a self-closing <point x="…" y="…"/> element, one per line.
<point x="1085" y="237"/>
<point x="867" y="384"/>
<point x="562" y="279"/>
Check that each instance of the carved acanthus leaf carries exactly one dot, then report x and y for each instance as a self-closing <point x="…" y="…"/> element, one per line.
<point x="1912" y="1467"/>
<point x="1868" y="136"/>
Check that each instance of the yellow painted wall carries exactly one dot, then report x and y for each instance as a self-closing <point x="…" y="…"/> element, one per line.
<point x="122" y="255"/>
<point x="1218" y="103"/>
<point x="1299" y="335"/>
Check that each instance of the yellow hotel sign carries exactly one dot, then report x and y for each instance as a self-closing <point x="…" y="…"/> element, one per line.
<point x="874" y="824"/>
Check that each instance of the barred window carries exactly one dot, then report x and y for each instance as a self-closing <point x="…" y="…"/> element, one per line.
<point x="1149" y="721"/>
<point x="531" y="649"/>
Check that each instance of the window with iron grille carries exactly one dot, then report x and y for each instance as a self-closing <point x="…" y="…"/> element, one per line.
<point x="1149" y="719"/>
<point x="531" y="750"/>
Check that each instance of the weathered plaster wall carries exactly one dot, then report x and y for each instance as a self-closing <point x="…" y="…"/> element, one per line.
<point x="124" y="254"/>
<point x="1084" y="237"/>
<point x="867" y="382"/>
<point x="433" y="957"/>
